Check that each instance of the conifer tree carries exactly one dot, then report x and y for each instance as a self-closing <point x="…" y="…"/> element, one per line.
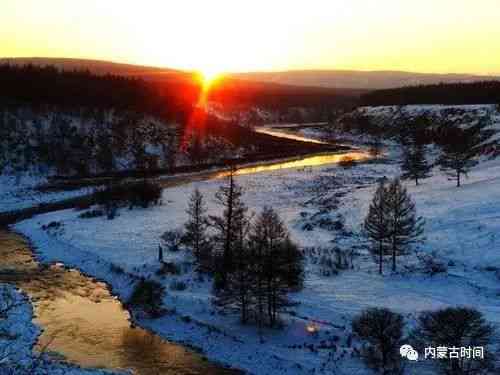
<point x="278" y="265"/>
<point x="196" y="227"/>
<point x="238" y="290"/>
<point x="414" y="164"/>
<point x="460" y="150"/>
<point x="391" y="223"/>
<point x="405" y="228"/>
<point x="376" y="224"/>
<point x="229" y="224"/>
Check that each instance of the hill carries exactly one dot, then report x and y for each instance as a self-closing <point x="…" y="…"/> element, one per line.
<point x="483" y="92"/>
<point x="352" y="79"/>
<point x="185" y="85"/>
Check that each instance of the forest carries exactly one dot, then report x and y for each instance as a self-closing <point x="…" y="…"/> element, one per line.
<point x="485" y="92"/>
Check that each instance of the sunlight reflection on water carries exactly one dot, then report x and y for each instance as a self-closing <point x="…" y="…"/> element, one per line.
<point x="85" y="324"/>
<point x="309" y="161"/>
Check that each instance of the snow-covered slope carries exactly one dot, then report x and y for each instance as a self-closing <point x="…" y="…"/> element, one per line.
<point x="324" y="208"/>
<point x="462" y="232"/>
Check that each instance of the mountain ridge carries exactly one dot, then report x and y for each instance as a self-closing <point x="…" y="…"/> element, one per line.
<point x="322" y="78"/>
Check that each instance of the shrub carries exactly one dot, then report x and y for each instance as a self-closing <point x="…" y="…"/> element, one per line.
<point x="53" y="225"/>
<point x="116" y="269"/>
<point x="178" y="285"/>
<point x="456" y="327"/>
<point x="347" y="162"/>
<point x="172" y="239"/>
<point x="114" y="196"/>
<point x="168" y="268"/>
<point x="148" y="295"/>
<point x="91" y="214"/>
<point x="144" y="194"/>
<point x="383" y="330"/>
<point x="432" y="265"/>
<point x="83" y="205"/>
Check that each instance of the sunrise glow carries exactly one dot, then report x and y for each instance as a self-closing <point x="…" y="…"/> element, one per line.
<point x="426" y="36"/>
<point x="209" y="77"/>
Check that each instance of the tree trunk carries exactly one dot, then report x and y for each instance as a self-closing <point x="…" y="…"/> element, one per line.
<point x="393" y="257"/>
<point x="381" y="257"/>
<point x="229" y="231"/>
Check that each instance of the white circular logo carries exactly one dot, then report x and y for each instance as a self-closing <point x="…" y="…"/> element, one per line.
<point x="408" y="352"/>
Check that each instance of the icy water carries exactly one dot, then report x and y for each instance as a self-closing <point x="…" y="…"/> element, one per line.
<point x="283" y="133"/>
<point x="85" y="324"/>
<point x="303" y="162"/>
<point x="299" y="162"/>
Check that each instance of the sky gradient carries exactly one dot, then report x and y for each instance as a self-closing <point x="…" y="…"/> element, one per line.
<point x="441" y="36"/>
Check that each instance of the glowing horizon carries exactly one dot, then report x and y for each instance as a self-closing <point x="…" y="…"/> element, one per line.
<point x="433" y="36"/>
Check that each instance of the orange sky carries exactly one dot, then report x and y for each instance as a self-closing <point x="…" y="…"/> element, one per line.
<point x="427" y="35"/>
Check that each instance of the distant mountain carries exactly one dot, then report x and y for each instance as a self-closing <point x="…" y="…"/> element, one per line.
<point x="102" y="67"/>
<point x="230" y="90"/>
<point x="369" y="80"/>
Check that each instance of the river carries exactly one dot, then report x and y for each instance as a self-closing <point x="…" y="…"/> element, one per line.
<point x="88" y="326"/>
<point x="85" y="324"/>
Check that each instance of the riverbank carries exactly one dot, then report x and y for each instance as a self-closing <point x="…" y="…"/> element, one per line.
<point x="79" y="321"/>
<point x="18" y="336"/>
<point x="36" y="200"/>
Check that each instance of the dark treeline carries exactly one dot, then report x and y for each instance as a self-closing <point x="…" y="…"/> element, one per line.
<point x="41" y="86"/>
<point x="486" y="92"/>
<point x="79" y="123"/>
<point x="231" y="92"/>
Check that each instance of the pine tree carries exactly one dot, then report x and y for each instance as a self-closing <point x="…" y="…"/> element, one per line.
<point x="376" y="224"/>
<point x="405" y="228"/>
<point x="391" y="223"/>
<point x="239" y="284"/>
<point x="414" y="164"/>
<point x="376" y="145"/>
<point x="229" y="224"/>
<point x="460" y="150"/>
<point x="196" y="227"/>
<point x="278" y="265"/>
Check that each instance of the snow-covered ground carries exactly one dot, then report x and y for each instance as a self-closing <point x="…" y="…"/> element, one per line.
<point x="462" y="232"/>
<point x="16" y="194"/>
<point x="18" y="335"/>
<point x="462" y="229"/>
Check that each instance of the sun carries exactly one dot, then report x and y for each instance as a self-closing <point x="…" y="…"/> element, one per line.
<point x="209" y="77"/>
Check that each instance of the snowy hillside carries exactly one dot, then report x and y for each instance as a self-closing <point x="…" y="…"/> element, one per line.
<point x="462" y="233"/>
<point x="464" y="115"/>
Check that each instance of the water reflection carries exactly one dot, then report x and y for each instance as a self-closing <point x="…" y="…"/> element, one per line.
<point x="284" y="134"/>
<point x="310" y="161"/>
<point x="83" y="322"/>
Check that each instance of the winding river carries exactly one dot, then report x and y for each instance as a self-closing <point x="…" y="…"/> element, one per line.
<point x="86" y="325"/>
